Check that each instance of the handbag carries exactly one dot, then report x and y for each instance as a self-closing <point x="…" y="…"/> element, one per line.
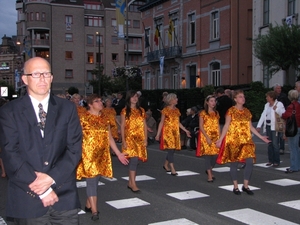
<point x="279" y="123"/>
<point x="291" y="127"/>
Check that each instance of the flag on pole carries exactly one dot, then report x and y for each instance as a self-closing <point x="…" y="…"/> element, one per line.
<point x="120" y="15"/>
<point x="157" y="35"/>
<point x="161" y="64"/>
<point x="147" y="44"/>
<point x="171" y="29"/>
<point x="289" y="21"/>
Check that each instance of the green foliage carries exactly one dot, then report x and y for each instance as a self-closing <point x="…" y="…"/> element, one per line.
<point x="207" y="90"/>
<point x="73" y="90"/>
<point x="279" y="49"/>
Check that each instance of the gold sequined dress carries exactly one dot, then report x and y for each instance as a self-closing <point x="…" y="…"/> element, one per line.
<point x="135" y="134"/>
<point x="96" y="158"/>
<point x="211" y="127"/>
<point x="80" y="110"/>
<point x="237" y="145"/>
<point x="170" y="136"/>
<point x="111" y="114"/>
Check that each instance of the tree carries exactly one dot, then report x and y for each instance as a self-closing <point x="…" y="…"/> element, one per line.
<point x="131" y="77"/>
<point x="279" y="49"/>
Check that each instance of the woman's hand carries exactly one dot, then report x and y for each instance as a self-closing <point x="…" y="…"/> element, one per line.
<point x="123" y="159"/>
<point x="218" y="143"/>
<point x="188" y="133"/>
<point x="265" y="139"/>
<point x="208" y="140"/>
<point x="157" y="138"/>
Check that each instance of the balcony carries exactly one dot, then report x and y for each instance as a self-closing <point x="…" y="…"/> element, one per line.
<point x="40" y="43"/>
<point x="134" y="47"/>
<point x="168" y="53"/>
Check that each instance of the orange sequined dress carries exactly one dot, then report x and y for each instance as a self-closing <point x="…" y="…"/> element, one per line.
<point x="237" y="144"/>
<point x="170" y="136"/>
<point x="96" y="158"/>
<point x="80" y="109"/>
<point x="111" y="114"/>
<point x="211" y="127"/>
<point x="135" y="134"/>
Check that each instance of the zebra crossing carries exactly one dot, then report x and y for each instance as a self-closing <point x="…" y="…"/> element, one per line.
<point x="243" y="215"/>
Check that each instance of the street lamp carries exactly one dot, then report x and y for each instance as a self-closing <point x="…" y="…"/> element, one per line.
<point x="99" y="63"/>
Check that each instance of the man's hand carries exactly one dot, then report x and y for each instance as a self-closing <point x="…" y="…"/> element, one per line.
<point x="41" y="184"/>
<point x="50" y="199"/>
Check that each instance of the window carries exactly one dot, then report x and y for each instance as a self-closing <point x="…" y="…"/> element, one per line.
<point x="266" y="10"/>
<point x="174" y="33"/>
<point x="215" y="74"/>
<point x="97" y="57"/>
<point x="43" y="16"/>
<point x="97" y="40"/>
<point x="69" y="74"/>
<point x="192" y="29"/>
<point x="114" y="40"/>
<point x="125" y="22"/>
<point x="148" y="80"/>
<point x="93" y="21"/>
<point x="69" y="19"/>
<point x="291" y="7"/>
<point x="136" y="24"/>
<point x="135" y="5"/>
<point x="215" y="25"/>
<point x="69" y="37"/>
<point x="114" y="57"/>
<point x="90" y="57"/>
<point x="69" y="55"/>
<point x="95" y="6"/>
<point x="31" y="17"/>
<point x="113" y="22"/>
<point x="90" y="39"/>
<point x="37" y="16"/>
<point x="89" y="75"/>
<point x="192" y="71"/>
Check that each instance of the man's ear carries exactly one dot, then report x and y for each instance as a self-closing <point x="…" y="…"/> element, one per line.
<point x="24" y="79"/>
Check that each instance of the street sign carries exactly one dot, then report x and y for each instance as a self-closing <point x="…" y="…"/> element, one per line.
<point x="89" y="90"/>
<point x="4" y="92"/>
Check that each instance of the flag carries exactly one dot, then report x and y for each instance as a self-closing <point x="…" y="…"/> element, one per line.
<point x="289" y="21"/>
<point x="156" y="36"/>
<point x="171" y="29"/>
<point x="161" y="64"/>
<point x="120" y="15"/>
<point x="147" y="44"/>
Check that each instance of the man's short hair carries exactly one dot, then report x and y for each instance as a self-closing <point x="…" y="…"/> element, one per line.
<point x="220" y="91"/>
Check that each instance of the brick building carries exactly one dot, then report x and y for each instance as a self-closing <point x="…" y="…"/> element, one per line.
<point x="67" y="34"/>
<point x="211" y="43"/>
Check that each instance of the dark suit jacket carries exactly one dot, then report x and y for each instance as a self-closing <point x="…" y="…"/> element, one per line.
<point x="119" y="106"/>
<point x="24" y="151"/>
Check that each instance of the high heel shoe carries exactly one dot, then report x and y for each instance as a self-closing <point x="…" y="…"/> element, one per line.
<point x="174" y="174"/>
<point x="88" y="210"/>
<point x="236" y="191"/>
<point x="166" y="169"/>
<point x="95" y="216"/>
<point x="247" y="190"/>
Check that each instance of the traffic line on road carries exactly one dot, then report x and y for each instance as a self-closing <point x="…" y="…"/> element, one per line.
<point x="222" y="169"/>
<point x="230" y="187"/>
<point x="185" y="195"/>
<point x="186" y="173"/>
<point x="181" y="221"/>
<point x="253" y="217"/>
<point x="82" y="184"/>
<point x="110" y="178"/>
<point x="140" y="178"/>
<point x="292" y="204"/>
<point x="2" y="221"/>
<point x="127" y="203"/>
<point x="283" y="182"/>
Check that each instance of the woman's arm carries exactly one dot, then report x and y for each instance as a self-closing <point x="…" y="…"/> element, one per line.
<point x="224" y="130"/>
<point x="161" y="123"/>
<point x="254" y="131"/>
<point x="121" y="156"/>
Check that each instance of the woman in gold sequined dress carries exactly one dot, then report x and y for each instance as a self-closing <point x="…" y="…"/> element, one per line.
<point x="96" y="143"/>
<point x="236" y="143"/>
<point x="208" y="135"/>
<point x="134" y="136"/>
<point x="168" y="129"/>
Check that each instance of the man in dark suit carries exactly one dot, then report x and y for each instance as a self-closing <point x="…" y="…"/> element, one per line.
<point x="41" y="140"/>
<point x="223" y="104"/>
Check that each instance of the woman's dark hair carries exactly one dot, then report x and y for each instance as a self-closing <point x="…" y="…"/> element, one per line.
<point x="90" y="99"/>
<point x="129" y="95"/>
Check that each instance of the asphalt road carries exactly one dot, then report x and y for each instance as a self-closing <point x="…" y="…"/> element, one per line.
<point x="188" y="198"/>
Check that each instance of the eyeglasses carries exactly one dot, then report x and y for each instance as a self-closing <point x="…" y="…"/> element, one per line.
<point x="98" y="100"/>
<point x="38" y="74"/>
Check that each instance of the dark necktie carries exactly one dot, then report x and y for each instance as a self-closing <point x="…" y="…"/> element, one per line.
<point x="42" y="115"/>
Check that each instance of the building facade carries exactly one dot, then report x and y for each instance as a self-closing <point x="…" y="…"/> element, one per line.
<point x="196" y="43"/>
<point x="266" y="12"/>
<point x="67" y="33"/>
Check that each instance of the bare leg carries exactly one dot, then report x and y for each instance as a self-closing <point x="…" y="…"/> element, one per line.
<point x="132" y="183"/>
<point x="173" y="171"/>
<point x="92" y="202"/>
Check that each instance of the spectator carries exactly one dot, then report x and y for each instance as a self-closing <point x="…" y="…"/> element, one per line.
<point x="293" y="96"/>
<point x="41" y="141"/>
<point x="268" y="119"/>
<point x="223" y="104"/>
<point x="281" y="97"/>
<point x="151" y="127"/>
<point x="183" y="138"/>
<point x="118" y="106"/>
<point x="192" y="125"/>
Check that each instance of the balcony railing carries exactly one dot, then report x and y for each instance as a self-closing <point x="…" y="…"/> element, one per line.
<point x="168" y="53"/>
<point x="40" y="42"/>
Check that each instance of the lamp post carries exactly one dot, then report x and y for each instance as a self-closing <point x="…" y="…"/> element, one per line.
<point x="99" y="63"/>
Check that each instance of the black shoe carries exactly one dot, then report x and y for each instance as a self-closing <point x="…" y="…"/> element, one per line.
<point x="95" y="216"/>
<point x="174" y="174"/>
<point x="88" y="210"/>
<point x="183" y="147"/>
<point x="134" y="191"/>
<point x="210" y="181"/>
<point x="247" y="190"/>
<point x="289" y="171"/>
<point x="166" y="169"/>
<point x="236" y="191"/>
